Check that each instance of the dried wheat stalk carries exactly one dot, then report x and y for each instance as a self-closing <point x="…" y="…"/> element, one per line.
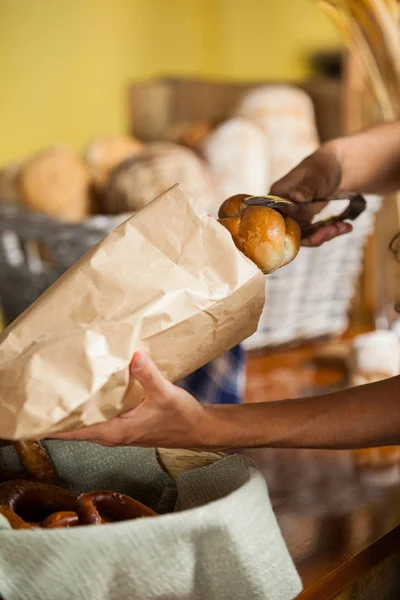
<point x="372" y="28"/>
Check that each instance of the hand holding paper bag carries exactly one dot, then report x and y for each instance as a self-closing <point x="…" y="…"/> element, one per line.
<point x="169" y="280"/>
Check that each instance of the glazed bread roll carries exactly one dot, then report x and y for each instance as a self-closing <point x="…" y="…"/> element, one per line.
<point x="286" y="116"/>
<point x="57" y="183"/>
<point x="137" y="181"/>
<point x="266" y="237"/>
<point x="106" y="152"/>
<point x="237" y="152"/>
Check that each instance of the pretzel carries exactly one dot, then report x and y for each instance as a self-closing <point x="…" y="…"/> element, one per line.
<point x="35" y="460"/>
<point x="30" y="504"/>
<point x="12" y="475"/>
<point x="116" y="506"/>
<point x="22" y="502"/>
<point x="62" y="518"/>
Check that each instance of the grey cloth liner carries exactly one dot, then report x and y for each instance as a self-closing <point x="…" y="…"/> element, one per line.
<point x="220" y="541"/>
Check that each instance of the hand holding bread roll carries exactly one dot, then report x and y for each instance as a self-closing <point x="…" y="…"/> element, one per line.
<point x="266" y="237"/>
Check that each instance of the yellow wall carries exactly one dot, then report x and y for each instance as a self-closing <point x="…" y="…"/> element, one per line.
<point x="65" y="64"/>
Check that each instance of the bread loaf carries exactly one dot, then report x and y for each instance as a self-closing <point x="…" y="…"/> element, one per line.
<point x="189" y="134"/>
<point x="104" y="153"/>
<point x="140" y="179"/>
<point x="266" y="237"/>
<point x="237" y="152"/>
<point x="56" y="182"/>
<point x="286" y="115"/>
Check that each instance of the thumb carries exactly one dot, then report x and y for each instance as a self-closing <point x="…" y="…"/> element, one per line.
<point x="146" y="373"/>
<point x="297" y="186"/>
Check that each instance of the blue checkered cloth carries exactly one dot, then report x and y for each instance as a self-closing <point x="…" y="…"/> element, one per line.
<point x="221" y="381"/>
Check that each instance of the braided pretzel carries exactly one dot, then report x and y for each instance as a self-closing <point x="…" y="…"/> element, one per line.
<point x="35" y="460"/>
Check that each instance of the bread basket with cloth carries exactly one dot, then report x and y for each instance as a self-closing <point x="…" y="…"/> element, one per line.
<point x="216" y="535"/>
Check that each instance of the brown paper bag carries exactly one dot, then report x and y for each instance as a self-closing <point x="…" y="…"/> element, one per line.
<point x="169" y="280"/>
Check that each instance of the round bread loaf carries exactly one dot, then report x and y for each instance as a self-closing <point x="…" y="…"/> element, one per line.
<point x="137" y="181"/>
<point x="266" y="237"/>
<point x="56" y="182"/>
<point x="104" y="153"/>
<point x="237" y="152"/>
<point x="286" y="116"/>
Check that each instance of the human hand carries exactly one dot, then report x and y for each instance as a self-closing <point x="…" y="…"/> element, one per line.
<point x="317" y="177"/>
<point x="167" y="417"/>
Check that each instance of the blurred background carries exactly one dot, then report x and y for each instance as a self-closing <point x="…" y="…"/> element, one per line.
<point x="66" y="66"/>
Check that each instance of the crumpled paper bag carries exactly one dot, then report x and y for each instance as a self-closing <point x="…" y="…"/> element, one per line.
<point x="169" y="280"/>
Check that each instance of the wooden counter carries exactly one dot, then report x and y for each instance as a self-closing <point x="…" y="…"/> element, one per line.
<point x="338" y="520"/>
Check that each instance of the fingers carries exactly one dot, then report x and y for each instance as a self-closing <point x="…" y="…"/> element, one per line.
<point x="318" y="176"/>
<point x="287" y="184"/>
<point x="326" y="233"/>
<point x="118" y="430"/>
<point x="150" y="378"/>
<point x="300" y="186"/>
<point x="94" y="433"/>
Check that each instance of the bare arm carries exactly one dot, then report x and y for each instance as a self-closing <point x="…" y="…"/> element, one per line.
<point x="366" y="162"/>
<point x="170" y="417"/>
<point x="370" y="160"/>
<point x="364" y="416"/>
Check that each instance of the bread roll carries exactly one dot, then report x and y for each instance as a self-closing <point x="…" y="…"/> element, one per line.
<point x="286" y="115"/>
<point x="138" y="180"/>
<point x="266" y="237"/>
<point x="237" y="152"/>
<point x="106" y="152"/>
<point x="56" y="182"/>
<point x="189" y="134"/>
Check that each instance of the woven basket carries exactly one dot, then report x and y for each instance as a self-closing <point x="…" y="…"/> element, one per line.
<point x="35" y="250"/>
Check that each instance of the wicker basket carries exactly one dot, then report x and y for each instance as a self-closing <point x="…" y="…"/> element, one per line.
<point x="35" y="250"/>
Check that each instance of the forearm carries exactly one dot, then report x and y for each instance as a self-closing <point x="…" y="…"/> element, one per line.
<point x="370" y="160"/>
<point x="359" y="417"/>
